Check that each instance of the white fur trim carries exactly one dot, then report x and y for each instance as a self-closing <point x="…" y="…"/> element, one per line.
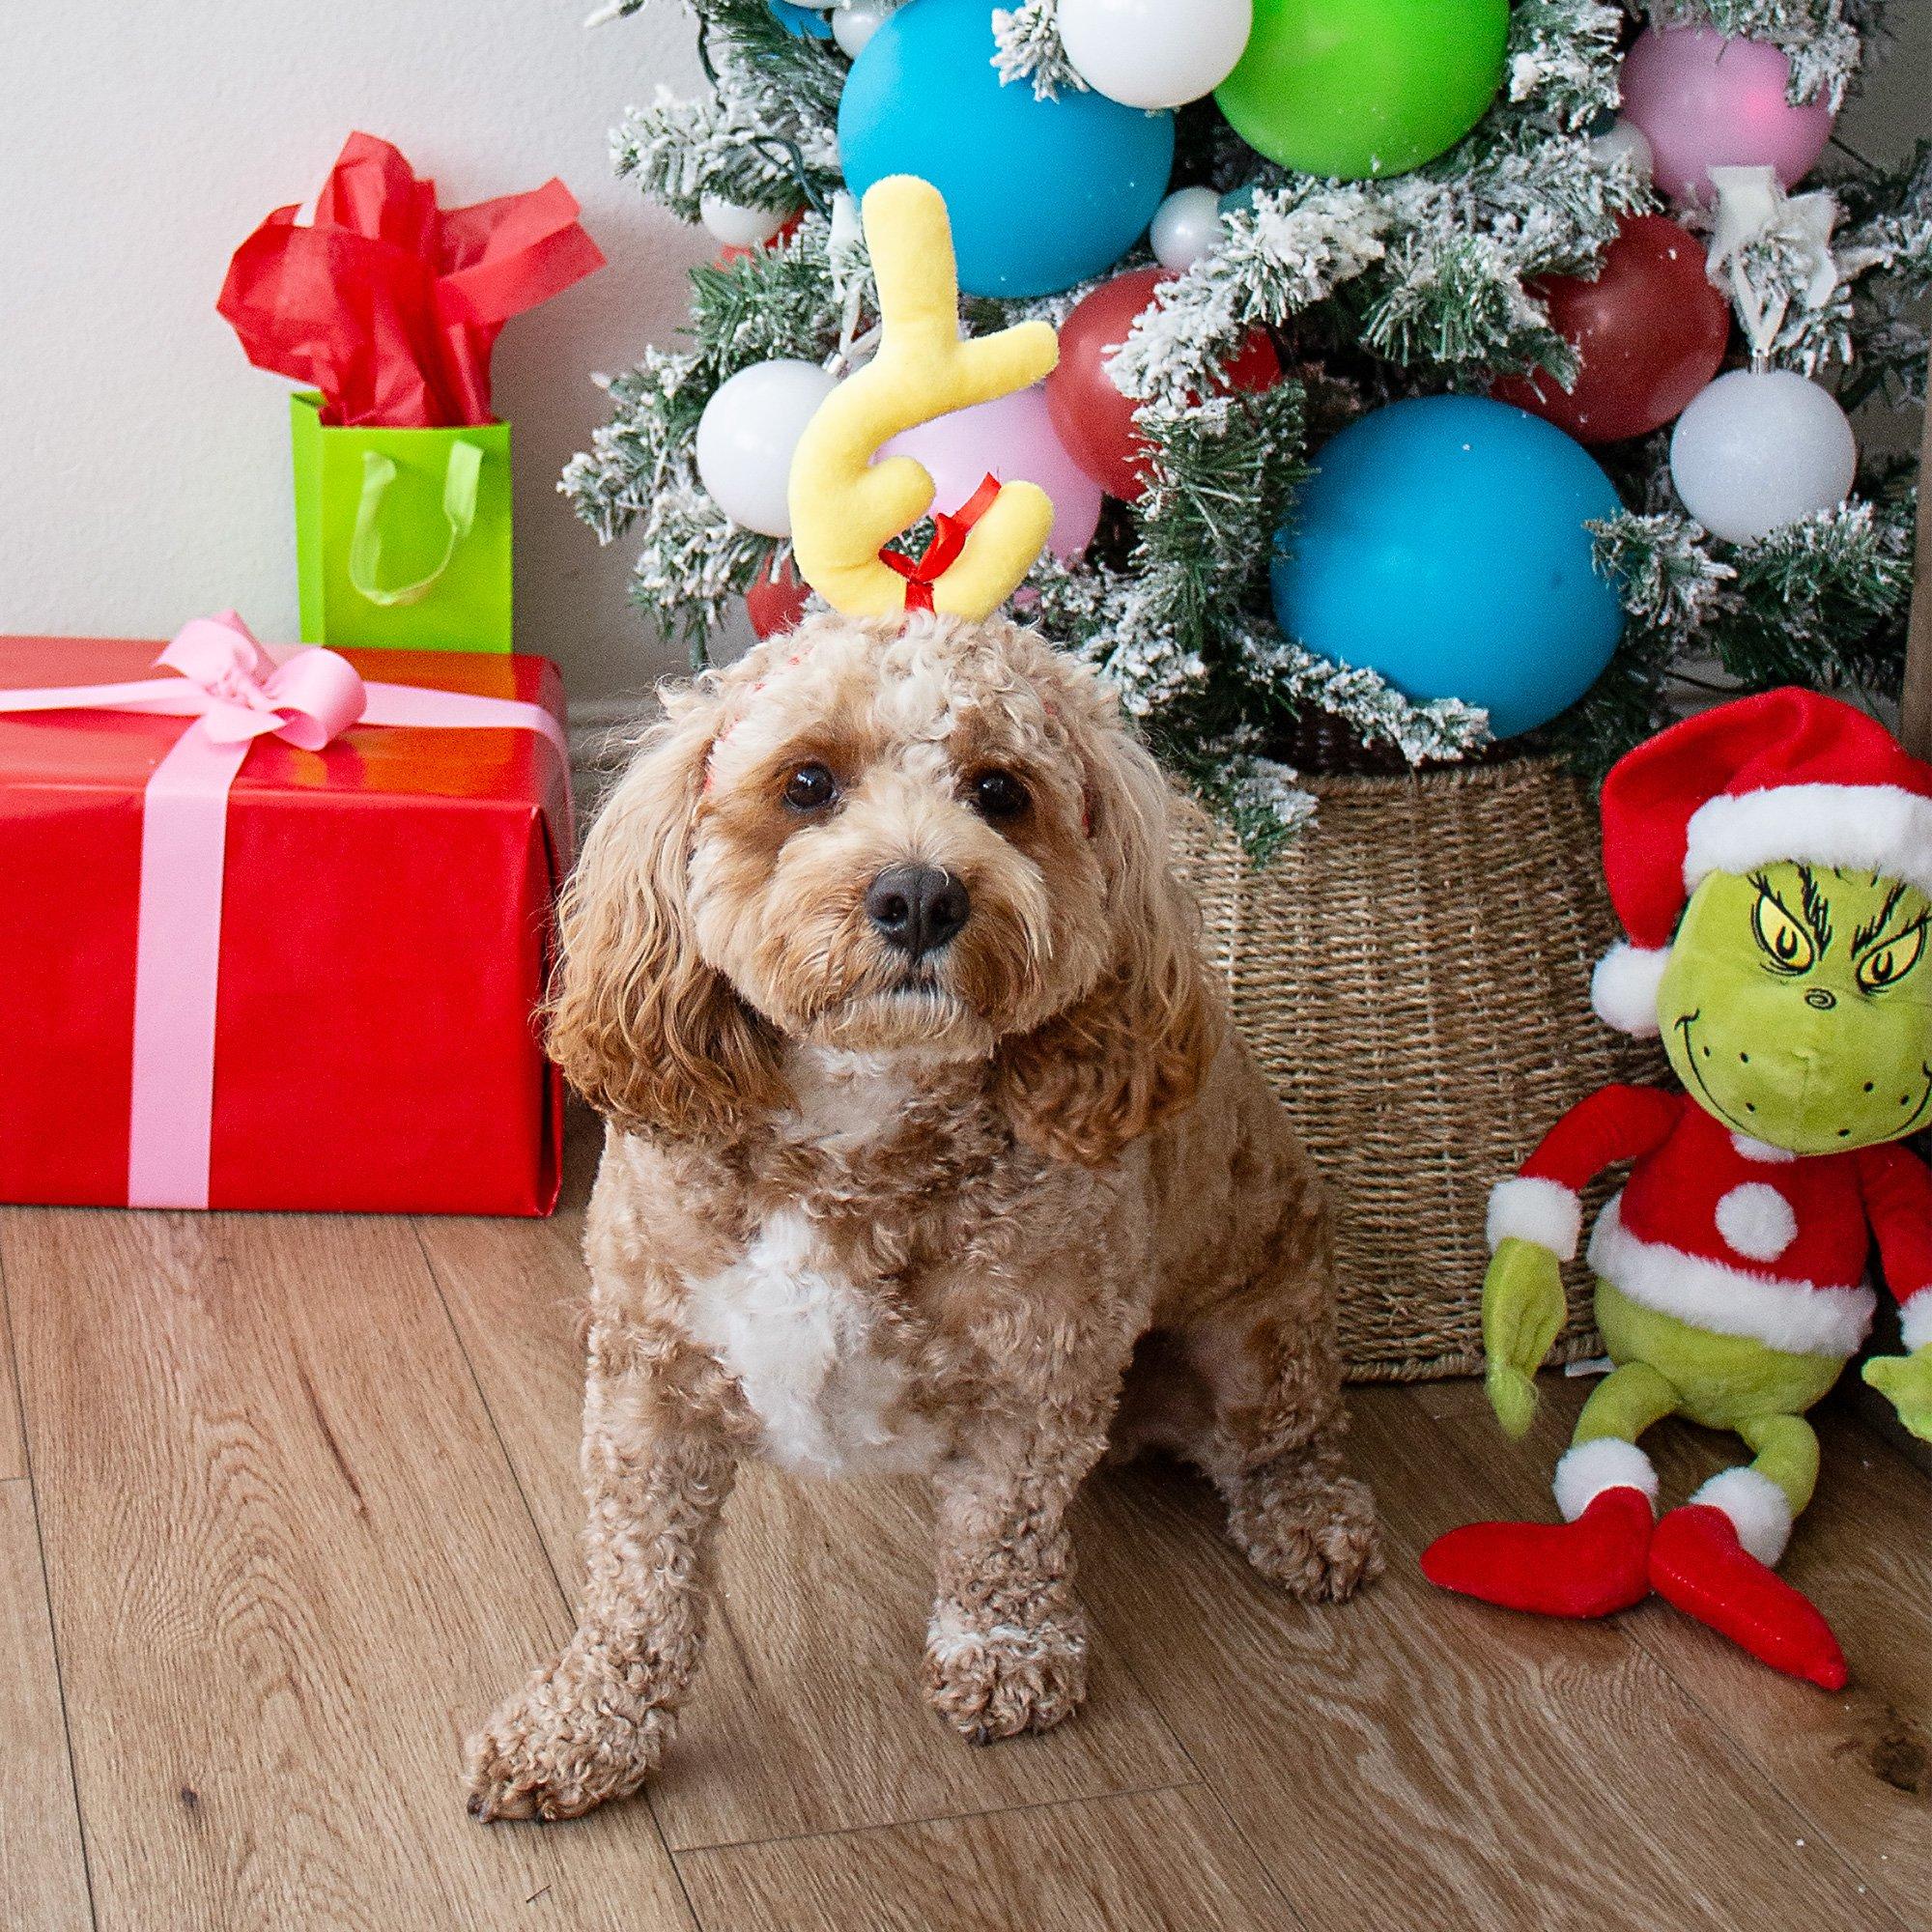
<point x="1757" y="1221"/>
<point x="1796" y="1317"/>
<point x="1761" y="1152"/>
<point x="1622" y="988"/>
<point x="1867" y="828"/>
<point x="1915" y="1320"/>
<point x="1584" y="1473"/>
<point x="1758" y="1509"/>
<point x="1527" y="1208"/>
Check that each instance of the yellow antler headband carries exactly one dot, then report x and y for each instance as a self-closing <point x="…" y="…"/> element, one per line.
<point x="845" y="508"/>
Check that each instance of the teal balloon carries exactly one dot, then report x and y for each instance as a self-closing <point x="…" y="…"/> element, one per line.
<point x="1042" y="193"/>
<point x="1442" y="542"/>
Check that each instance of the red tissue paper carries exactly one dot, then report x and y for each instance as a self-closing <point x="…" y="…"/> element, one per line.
<point x="389" y="305"/>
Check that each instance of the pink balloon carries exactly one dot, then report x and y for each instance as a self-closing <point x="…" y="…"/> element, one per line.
<point x="1011" y="438"/>
<point x="1704" y="102"/>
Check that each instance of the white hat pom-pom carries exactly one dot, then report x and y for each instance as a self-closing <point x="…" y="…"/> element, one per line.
<point x="1622" y="989"/>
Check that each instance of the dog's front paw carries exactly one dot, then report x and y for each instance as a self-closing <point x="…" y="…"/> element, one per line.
<point x="566" y="1742"/>
<point x="995" y="1680"/>
<point x="1316" y="1536"/>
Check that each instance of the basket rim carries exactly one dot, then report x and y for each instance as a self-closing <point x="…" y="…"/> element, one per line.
<point x="1495" y="776"/>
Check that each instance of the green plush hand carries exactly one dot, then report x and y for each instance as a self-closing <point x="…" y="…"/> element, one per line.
<point x="1906" y="1382"/>
<point x="1522" y="1311"/>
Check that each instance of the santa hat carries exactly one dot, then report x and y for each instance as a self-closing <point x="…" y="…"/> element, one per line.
<point x="1788" y="775"/>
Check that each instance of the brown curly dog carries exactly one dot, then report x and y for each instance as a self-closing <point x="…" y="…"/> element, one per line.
<point x="921" y="1117"/>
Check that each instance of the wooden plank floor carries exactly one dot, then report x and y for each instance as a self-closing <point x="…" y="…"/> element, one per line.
<point x="285" y="1503"/>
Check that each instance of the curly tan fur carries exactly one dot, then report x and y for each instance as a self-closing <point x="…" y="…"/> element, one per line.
<point x="985" y="1215"/>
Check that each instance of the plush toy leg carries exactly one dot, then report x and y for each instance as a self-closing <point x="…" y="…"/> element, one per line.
<point x="1596" y="1562"/>
<point x="1713" y="1557"/>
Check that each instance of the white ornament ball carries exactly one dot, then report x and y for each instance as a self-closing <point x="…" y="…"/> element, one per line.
<point x="856" y="22"/>
<point x="747" y="434"/>
<point x="1626" y="137"/>
<point x="1759" y="449"/>
<point x="1185" y="226"/>
<point x="1155" y="53"/>
<point x="739" y="227"/>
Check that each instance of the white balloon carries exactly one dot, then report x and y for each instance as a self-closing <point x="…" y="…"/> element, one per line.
<point x="737" y="226"/>
<point x="1155" y="53"/>
<point x="1626" y="137"/>
<point x="856" y="22"/>
<point x="1185" y="226"/>
<point x="1759" y="449"/>
<point x="747" y="434"/>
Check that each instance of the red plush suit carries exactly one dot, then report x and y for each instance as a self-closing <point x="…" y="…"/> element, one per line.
<point x="1725" y="1232"/>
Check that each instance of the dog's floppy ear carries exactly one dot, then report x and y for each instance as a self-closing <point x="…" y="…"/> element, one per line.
<point x="1137" y="1047"/>
<point x="651" y="1034"/>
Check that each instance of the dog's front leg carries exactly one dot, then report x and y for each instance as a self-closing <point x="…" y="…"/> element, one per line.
<point x="658" y="1463"/>
<point x="1006" y="1648"/>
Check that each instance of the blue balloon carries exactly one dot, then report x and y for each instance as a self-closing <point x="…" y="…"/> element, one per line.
<point x="1441" y="542"/>
<point x="801" y="24"/>
<point x="1042" y="193"/>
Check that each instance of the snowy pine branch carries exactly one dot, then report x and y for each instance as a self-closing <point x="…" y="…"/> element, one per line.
<point x="1370" y="290"/>
<point x="1027" y="47"/>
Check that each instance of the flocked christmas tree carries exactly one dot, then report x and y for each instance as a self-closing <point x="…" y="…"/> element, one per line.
<point x="1307" y="297"/>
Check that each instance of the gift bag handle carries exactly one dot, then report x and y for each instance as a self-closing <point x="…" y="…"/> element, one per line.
<point x="459" y="510"/>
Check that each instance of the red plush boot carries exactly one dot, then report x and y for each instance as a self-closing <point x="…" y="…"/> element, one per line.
<point x="1591" y="1567"/>
<point x="1697" y="1563"/>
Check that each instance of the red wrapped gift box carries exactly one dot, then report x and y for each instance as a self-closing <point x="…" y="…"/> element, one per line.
<point x="385" y="932"/>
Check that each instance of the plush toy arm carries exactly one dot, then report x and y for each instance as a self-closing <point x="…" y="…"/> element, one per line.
<point x="1542" y="1202"/>
<point x="1522" y="1313"/>
<point x="1906" y="1382"/>
<point x="1897" y="1191"/>
<point x="1536" y="1218"/>
<point x="1898" y="1198"/>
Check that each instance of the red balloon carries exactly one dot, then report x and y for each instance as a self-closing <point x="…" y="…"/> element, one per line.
<point x="1091" y="415"/>
<point x="1650" y="333"/>
<point x="776" y="604"/>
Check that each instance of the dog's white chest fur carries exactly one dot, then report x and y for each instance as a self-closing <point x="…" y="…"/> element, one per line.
<point x="803" y="1341"/>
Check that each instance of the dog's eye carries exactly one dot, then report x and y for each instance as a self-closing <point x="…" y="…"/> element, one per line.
<point x="810" y="788"/>
<point x="997" y="794"/>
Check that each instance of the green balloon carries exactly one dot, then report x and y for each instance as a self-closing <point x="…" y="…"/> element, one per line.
<point x="1364" y="88"/>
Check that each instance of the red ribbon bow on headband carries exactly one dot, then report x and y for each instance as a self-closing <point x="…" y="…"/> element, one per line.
<point x="943" y="552"/>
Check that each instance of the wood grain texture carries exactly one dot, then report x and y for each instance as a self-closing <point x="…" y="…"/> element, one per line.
<point x="810" y="1672"/>
<point x="1411" y="1760"/>
<point x="1857" y="1767"/>
<point x="42" y="1877"/>
<point x="277" y="1465"/>
<point x="1159" y="1861"/>
<point x="13" y="1443"/>
<point x="289" y="1567"/>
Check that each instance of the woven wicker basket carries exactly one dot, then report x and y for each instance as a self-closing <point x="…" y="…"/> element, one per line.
<point x="1414" y="976"/>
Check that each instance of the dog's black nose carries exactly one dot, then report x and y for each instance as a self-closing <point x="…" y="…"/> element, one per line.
<point x="917" y="908"/>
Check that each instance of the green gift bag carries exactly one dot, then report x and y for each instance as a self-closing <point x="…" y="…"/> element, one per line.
<point x="402" y="535"/>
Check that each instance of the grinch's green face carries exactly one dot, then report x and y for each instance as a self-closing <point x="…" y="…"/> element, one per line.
<point x="1797" y="1006"/>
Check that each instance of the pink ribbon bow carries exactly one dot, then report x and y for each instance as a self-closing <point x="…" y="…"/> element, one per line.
<point x="310" y="699"/>
<point x="236" y="692"/>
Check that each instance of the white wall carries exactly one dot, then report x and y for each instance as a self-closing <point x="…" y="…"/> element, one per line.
<point x="144" y="466"/>
<point x="144" y="469"/>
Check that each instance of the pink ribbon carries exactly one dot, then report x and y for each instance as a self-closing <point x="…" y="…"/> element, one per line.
<point x="236" y="692"/>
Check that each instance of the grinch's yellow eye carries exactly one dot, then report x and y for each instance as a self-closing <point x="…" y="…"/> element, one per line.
<point x="1892" y="959"/>
<point x="1789" y="946"/>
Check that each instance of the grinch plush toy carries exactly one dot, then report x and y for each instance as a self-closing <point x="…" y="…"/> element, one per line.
<point x="1772" y="861"/>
